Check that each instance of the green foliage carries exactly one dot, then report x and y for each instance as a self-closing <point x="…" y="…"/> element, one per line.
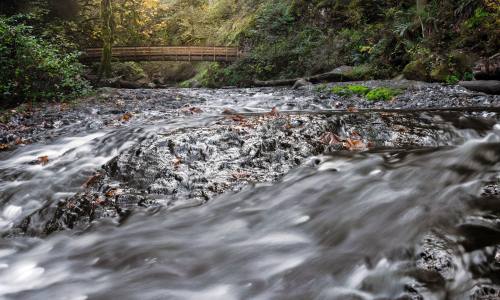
<point x="381" y="94"/>
<point x="452" y="79"/>
<point x="479" y="17"/>
<point x="468" y="76"/>
<point x="340" y="91"/>
<point x="33" y="69"/>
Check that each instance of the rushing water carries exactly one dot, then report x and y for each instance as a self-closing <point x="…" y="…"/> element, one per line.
<point x="339" y="226"/>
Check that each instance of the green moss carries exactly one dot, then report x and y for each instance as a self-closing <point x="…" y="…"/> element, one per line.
<point x="460" y="62"/>
<point x="381" y="94"/>
<point x="340" y="91"/>
<point x="321" y="88"/>
<point x="358" y="89"/>
<point x="349" y="90"/>
<point x="440" y="72"/>
<point x="416" y="70"/>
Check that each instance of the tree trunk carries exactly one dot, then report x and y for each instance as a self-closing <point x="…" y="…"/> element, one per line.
<point x="420" y="9"/>
<point x="108" y="28"/>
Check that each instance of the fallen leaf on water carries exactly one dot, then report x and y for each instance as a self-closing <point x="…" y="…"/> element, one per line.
<point x="228" y="111"/>
<point x="274" y="112"/>
<point x="240" y="175"/>
<point x="355" y="134"/>
<point x="177" y="162"/>
<point x="238" y="118"/>
<point x="4" y="147"/>
<point x="126" y="117"/>
<point x="113" y="192"/>
<point x="354" y="145"/>
<point x="63" y="106"/>
<point x="99" y="201"/>
<point x="191" y="110"/>
<point x="92" y="180"/>
<point x="43" y="160"/>
<point x="329" y="138"/>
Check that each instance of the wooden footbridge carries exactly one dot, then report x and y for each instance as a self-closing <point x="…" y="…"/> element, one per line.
<point x="220" y="54"/>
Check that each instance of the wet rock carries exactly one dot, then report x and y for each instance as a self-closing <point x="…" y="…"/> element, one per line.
<point x="486" y="292"/>
<point x="301" y="83"/>
<point x="485" y="86"/>
<point x="191" y="166"/>
<point x="435" y="261"/>
<point x="480" y="231"/>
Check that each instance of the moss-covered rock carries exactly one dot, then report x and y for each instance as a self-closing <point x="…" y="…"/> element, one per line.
<point x="461" y="62"/>
<point x="440" y="72"/>
<point x="130" y="71"/>
<point x="416" y="70"/>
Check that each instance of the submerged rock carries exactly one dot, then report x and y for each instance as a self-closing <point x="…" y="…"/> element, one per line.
<point x="301" y="83"/>
<point x="187" y="167"/>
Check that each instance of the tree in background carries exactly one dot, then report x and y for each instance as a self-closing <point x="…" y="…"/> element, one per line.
<point x="108" y="30"/>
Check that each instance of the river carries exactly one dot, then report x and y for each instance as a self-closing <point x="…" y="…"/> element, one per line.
<point x="213" y="194"/>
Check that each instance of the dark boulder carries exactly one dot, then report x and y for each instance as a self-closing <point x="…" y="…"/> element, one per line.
<point x="416" y="70"/>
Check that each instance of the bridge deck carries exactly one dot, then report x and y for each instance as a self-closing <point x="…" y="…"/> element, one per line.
<point x="166" y="54"/>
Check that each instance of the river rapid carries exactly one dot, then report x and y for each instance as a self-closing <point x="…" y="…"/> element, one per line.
<point x="253" y="194"/>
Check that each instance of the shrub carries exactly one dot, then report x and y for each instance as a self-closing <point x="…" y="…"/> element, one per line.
<point x="381" y="94"/>
<point x="33" y="69"/>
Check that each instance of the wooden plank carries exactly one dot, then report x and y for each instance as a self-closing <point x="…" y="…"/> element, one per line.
<point x="215" y="53"/>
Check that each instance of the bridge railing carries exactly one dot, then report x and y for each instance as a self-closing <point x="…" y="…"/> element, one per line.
<point x="180" y="53"/>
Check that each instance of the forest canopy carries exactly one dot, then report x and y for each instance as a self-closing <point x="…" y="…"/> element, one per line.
<point x="426" y="39"/>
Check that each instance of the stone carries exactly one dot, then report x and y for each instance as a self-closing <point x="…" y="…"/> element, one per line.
<point x="440" y="72"/>
<point x="301" y="83"/>
<point x="416" y="70"/>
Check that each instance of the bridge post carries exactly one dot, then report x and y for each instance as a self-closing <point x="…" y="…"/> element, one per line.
<point x="214" y="54"/>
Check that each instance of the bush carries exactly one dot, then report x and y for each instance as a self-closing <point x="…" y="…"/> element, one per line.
<point x="33" y="69"/>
